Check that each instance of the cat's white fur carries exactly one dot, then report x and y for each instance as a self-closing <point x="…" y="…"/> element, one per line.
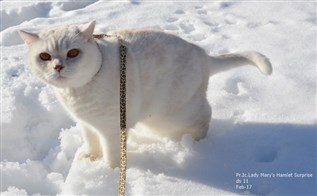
<point x="167" y="80"/>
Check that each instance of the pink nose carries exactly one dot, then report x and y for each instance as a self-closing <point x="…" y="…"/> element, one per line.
<point x="58" y="68"/>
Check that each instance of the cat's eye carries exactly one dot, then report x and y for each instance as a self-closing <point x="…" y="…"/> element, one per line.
<point x="72" y="53"/>
<point x="45" y="56"/>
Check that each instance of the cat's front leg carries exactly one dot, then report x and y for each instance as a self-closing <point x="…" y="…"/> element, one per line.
<point x="110" y="144"/>
<point x="91" y="147"/>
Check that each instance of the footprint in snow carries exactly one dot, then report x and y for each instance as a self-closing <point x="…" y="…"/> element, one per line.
<point x="312" y="20"/>
<point x="198" y="37"/>
<point x="224" y="5"/>
<point x="171" y="27"/>
<point x="266" y="154"/>
<point x="171" y="19"/>
<point x="202" y="12"/>
<point x="225" y="36"/>
<point x="187" y="27"/>
<point x="198" y="7"/>
<point x="235" y="86"/>
<point x="179" y="11"/>
<point x="214" y="27"/>
<point x="253" y="25"/>
<point x="135" y="2"/>
<point x="211" y="24"/>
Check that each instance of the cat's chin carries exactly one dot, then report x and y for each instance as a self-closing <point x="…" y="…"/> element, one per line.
<point x="59" y="81"/>
<point x="65" y="82"/>
<point x="61" y="78"/>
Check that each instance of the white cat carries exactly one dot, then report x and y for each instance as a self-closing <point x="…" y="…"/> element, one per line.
<point x="167" y="79"/>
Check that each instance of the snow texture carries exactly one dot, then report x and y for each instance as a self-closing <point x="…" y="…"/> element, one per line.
<point x="260" y="124"/>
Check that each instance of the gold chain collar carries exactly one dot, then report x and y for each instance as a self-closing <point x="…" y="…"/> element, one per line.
<point x="123" y="116"/>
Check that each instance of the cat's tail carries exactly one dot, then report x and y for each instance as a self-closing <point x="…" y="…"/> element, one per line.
<point x="228" y="61"/>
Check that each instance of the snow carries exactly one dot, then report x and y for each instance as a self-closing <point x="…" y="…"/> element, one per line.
<point x="261" y="124"/>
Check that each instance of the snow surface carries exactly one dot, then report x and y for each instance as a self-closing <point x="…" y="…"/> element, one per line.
<point x="260" y="124"/>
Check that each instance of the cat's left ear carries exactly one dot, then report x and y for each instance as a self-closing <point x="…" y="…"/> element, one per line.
<point x="29" y="38"/>
<point x="88" y="29"/>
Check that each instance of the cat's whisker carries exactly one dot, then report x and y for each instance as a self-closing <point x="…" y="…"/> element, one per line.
<point x="67" y="72"/>
<point x="51" y="75"/>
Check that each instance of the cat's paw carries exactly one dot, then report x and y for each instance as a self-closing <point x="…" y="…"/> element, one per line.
<point x="114" y="161"/>
<point x="85" y="155"/>
<point x="199" y="134"/>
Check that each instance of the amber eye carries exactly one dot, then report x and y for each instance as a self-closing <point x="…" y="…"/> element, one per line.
<point x="72" y="53"/>
<point x="45" y="56"/>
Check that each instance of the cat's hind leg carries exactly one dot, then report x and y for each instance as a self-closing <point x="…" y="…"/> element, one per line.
<point x="192" y="119"/>
<point x="91" y="147"/>
<point x="200" y="119"/>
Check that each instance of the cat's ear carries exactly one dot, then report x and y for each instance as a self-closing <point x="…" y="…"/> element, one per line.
<point x="88" y="29"/>
<point x="29" y="38"/>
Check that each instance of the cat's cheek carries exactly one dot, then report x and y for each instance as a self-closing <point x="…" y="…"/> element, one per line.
<point x="59" y="82"/>
<point x="73" y="61"/>
<point x="41" y="75"/>
<point x="43" y="67"/>
<point x="36" y="68"/>
<point x="38" y="64"/>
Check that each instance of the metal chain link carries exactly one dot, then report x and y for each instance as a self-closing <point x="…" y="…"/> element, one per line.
<point x="123" y="117"/>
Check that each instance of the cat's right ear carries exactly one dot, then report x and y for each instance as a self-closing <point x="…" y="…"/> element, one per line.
<point x="88" y="29"/>
<point x="29" y="38"/>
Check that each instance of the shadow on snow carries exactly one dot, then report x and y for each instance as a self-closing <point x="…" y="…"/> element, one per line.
<point x="232" y="149"/>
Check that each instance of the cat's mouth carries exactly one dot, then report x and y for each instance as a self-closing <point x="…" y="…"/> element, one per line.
<point x="59" y="80"/>
<point x="57" y="77"/>
<point x="60" y="77"/>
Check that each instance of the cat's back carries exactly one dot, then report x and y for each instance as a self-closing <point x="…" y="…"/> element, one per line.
<point x="141" y="39"/>
<point x="143" y="34"/>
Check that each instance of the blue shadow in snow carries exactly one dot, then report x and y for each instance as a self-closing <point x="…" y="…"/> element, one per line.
<point x="251" y="148"/>
<point x="254" y="148"/>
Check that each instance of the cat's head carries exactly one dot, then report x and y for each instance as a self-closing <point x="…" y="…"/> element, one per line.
<point x="64" y="56"/>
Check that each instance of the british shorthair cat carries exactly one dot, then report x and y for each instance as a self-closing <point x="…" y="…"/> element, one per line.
<point x="167" y="79"/>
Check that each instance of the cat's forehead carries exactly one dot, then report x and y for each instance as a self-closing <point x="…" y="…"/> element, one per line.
<point x="58" y="38"/>
<point x="59" y="31"/>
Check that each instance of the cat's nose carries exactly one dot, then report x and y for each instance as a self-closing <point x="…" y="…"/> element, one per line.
<point x="58" y="68"/>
